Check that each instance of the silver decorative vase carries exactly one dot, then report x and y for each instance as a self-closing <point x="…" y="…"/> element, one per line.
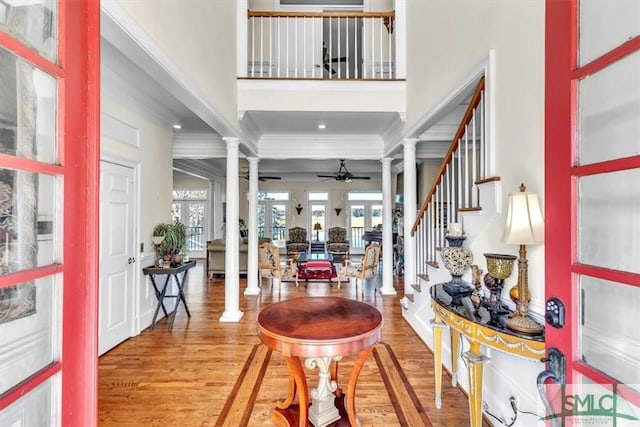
<point x="457" y="260"/>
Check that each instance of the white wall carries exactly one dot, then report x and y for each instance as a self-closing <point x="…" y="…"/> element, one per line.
<point x="446" y="41"/>
<point x="154" y="155"/>
<point x="195" y="35"/>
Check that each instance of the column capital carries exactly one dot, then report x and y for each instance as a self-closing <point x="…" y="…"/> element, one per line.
<point x="410" y="142"/>
<point x="229" y="140"/>
<point x="253" y="160"/>
<point x="386" y="160"/>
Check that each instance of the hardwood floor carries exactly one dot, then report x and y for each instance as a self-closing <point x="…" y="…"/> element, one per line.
<point x="198" y="374"/>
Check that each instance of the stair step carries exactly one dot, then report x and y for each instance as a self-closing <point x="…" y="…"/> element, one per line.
<point x="473" y="209"/>
<point x="424" y="277"/>
<point x="433" y="264"/>
<point x="410" y="297"/>
<point x="417" y="288"/>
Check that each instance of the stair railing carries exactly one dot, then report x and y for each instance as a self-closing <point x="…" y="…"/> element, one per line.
<point x="454" y="189"/>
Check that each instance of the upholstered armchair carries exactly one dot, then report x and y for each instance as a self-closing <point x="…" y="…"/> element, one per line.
<point x="361" y="271"/>
<point x="297" y="242"/>
<point x="270" y="266"/>
<point x="337" y="243"/>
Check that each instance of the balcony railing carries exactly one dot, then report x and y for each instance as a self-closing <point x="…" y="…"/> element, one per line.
<point x="321" y="45"/>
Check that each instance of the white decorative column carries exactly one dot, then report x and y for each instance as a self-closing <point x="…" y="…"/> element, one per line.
<point x="400" y="30"/>
<point x="410" y="203"/>
<point x="211" y="208"/>
<point x="242" y="24"/>
<point x="252" y="254"/>
<point x="217" y="210"/>
<point x="232" y="311"/>
<point x="387" y="230"/>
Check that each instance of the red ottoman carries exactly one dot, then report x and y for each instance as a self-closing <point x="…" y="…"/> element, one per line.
<point x="320" y="270"/>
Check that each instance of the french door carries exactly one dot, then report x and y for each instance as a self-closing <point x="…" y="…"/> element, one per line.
<point x="272" y="220"/>
<point x="593" y="208"/>
<point x="49" y="167"/>
<point x="189" y="207"/>
<point x="318" y="220"/>
<point x="363" y="216"/>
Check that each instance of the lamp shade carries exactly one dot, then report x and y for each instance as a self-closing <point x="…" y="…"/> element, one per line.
<point x="317" y="227"/>
<point x="525" y="225"/>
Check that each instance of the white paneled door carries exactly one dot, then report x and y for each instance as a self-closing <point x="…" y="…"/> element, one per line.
<point x="117" y="255"/>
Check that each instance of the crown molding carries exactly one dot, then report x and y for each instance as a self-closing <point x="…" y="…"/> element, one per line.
<point x="355" y="147"/>
<point x="197" y="146"/>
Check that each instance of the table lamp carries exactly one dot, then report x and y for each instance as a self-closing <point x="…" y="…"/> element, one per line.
<point x="317" y="228"/>
<point x="525" y="226"/>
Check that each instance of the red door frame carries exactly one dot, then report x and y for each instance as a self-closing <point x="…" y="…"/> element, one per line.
<point x="80" y="58"/>
<point x="78" y="74"/>
<point x="562" y="74"/>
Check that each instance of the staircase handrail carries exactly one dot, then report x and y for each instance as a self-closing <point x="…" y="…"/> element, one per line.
<point x="466" y="119"/>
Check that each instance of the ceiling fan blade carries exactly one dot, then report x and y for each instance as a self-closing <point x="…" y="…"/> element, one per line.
<point x="359" y="177"/>
<point x="327" y="176"/>
<point x="260" y="178"/>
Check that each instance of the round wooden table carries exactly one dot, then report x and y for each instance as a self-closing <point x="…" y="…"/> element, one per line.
<point x="320" y="330"/>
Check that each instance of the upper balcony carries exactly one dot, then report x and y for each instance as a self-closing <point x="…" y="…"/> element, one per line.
<point x="321" y="61"/>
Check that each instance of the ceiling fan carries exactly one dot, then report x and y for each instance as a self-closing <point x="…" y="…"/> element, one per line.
<point x="343" y="175"/>
<point x="327" y="61"/>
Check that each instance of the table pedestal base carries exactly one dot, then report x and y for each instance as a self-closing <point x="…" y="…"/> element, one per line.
<point x="323" y="410"/>
<point x="290" y="417"/>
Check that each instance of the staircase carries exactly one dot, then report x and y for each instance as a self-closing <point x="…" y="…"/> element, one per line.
<point x="463" y="193"/>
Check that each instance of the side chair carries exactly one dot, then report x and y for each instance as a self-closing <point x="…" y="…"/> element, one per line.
<point x="365" y="269"/>
<point x="270" y="266"/>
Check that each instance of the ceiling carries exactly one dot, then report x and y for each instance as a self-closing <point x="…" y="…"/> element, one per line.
<point x="306" y="122"/>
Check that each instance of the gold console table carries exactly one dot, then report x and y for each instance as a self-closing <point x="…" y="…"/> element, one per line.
<point x="478" y="330"/>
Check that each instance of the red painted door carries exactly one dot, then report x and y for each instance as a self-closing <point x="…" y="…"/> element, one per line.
<point x="49" y="157"/>
<point x="592" y="213"/>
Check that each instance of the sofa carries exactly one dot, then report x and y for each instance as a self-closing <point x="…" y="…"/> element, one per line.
<point x="215" y="262"/>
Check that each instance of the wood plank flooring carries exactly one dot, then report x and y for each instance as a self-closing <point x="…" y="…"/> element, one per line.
<point x="207" y="373"/>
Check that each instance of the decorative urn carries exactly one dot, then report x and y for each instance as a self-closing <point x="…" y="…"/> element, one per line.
<point x="499" y="267"/>
<point x="457" y="259"/>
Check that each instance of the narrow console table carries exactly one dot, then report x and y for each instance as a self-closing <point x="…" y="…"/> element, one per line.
<point x="161" y="293"/>
<point x="320" y="330"/>
<point x="479" y="329"/>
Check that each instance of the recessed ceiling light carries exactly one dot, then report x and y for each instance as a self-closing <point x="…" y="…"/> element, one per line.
<point x="322" y="126"/>
<point x="177" y="126"/>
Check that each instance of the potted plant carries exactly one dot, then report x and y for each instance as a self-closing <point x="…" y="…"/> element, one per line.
<point x="174" y="244"/>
